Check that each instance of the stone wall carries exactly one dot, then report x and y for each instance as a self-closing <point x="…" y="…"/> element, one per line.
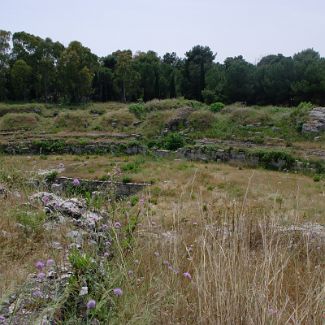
<point x="119" y="189"/>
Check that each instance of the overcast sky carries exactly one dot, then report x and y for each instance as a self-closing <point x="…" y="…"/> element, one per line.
<point x="253" y="28"/>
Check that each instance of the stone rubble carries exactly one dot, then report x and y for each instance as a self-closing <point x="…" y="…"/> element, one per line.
<point x="316" y="121"/>
<point x="25" y="306"/>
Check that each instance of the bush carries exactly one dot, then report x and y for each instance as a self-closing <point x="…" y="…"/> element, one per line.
<point x="73" y="121"/>
<point x="201" y="120"/>
<point x="299" y="115"/>
<point x="208" y="96"/>
<point x="306" y="105"/>
<point x="137" y="109"/>
<point x="173" y="141"/>
<point x="15" y="121"/>
<point x="216" y="107"/>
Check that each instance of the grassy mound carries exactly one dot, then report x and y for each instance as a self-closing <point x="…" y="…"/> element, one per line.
<point x="14" y="121"/>
<point x="73" y="121"/>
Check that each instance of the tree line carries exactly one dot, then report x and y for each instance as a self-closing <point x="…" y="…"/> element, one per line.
<point x="32" y="68"/>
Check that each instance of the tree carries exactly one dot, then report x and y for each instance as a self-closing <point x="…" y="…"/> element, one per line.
<point x="21" y="74"/>
<point x="170" y="75"/>
<point x="148" y="67"/>
<point x="5" y="38"/>
<point x="274" y="76"/>
<point x="215" y="82"/>
<point x="125" y="74"/>
<point x="309" y="83"/>
<point x="76" y="71"/>
<point x="197" y="62"/>
<point x="103" y="84"/>
<point x="239" y="80"/>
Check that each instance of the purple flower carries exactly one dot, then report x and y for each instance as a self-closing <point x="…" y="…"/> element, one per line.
<point x="37" y="294"/>
<point x="170" y="267"/>
<point x="91" y="304"/>
<point x="2" y="319"/>
<point x="130" y="273"/>
<point x="41" y="276"/>
<point x="187" y="275"/>
<point x="272" y="311"/>
<point x="106" y="254"/>
<point x="39" y="265"/>
<point x="76" y="182"/>
<point x="45" y="199"/>
<point x="50" y="262"/>
<point x="118" y="292"/>
<point x="141" y="201"/>
<point x="117" y="225"/>
<point x="105" y="227"/>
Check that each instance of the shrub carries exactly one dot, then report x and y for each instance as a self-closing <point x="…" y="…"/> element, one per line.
<point x="15" y="121"/>
<point x="209" y="96"/>
<point x="317" y="178"/>
<point x="216" y="107"/>
<point x="51" y="177"/>
<point x="137" y="109"/>
<point x="73" y="121"/>
<point x="173" y="141"/>
<point x="299" y="115"/>
<point x="306" y="105"/>
<point x="201" y="120"/>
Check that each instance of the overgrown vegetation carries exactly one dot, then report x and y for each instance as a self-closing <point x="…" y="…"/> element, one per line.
<point x="40" y="69"/>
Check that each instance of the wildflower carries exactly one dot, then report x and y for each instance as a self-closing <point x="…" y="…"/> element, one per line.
<point x="187" y="275"/>
<point x="117" y="225"/>
<point x="272" y="311"/>
<point x="45" y="199"/>
<point x="41" y="276"/>
<point x="76" y="182"/>
<point x="165" y="262"/>
<point x="91" y="304"/>
<point x="170" y="267"/>
<point x="136" y="261"/>
<point x="37" y="294"/>
<point x="130" y="273"/>
<point x="105" y="227"/>
<point x="2" y="319"/>
<point x="39" y="265"/>
<point x="118" y="292"/>
<point x="157" y="254"/>
<point x="50" y="262"/>
<point x="141" y="201"/>
<point x="106" y="254"/>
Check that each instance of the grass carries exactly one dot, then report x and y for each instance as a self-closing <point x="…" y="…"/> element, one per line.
<point x="216" y="222"/>
<point x="221" y="225"/>
<point x="16" y="121"/>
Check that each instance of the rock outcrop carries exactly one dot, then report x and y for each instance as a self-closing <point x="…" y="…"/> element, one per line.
<point x="316" y="121"/>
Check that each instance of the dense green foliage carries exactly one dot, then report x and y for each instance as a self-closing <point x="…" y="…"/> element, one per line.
<point x="32" y="68"/>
